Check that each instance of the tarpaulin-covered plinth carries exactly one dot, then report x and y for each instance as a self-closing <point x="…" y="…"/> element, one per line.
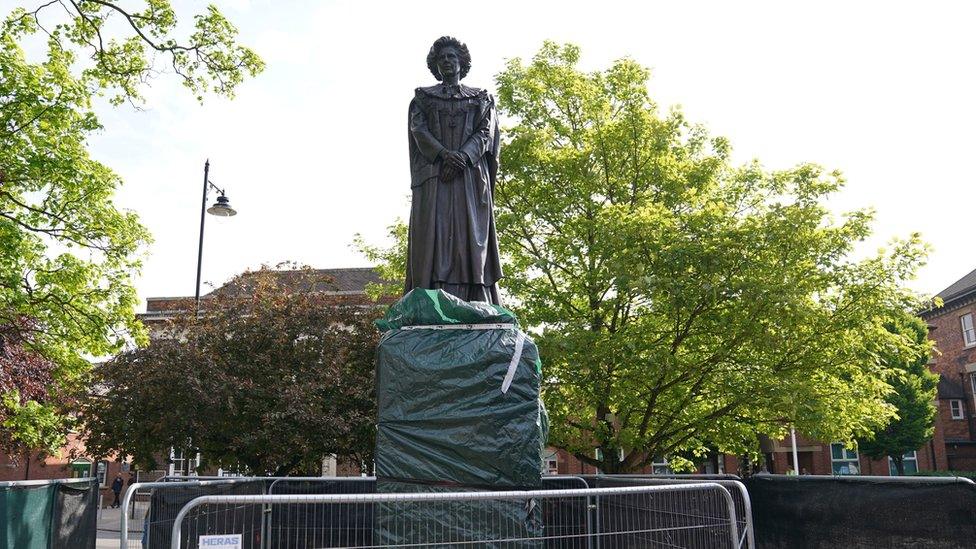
<point x="457" y="388"/>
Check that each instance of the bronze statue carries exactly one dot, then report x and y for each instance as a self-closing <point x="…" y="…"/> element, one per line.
<point x="454" y="141"/>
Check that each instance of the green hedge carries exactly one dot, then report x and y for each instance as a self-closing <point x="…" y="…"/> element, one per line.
<point x="967" y="474"/>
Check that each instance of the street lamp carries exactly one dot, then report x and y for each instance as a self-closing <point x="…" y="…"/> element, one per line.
<point x="221" y="208"/>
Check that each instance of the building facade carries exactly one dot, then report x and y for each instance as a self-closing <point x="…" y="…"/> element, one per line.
<point x="951" y="327"/>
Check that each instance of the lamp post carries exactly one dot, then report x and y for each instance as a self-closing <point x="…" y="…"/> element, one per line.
<point x="221" y="208"/>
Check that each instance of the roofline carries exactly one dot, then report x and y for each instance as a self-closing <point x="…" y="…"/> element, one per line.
<point x="169" y="313"/>
<point x="950" y="304"/>
<point x="323" y="292"/>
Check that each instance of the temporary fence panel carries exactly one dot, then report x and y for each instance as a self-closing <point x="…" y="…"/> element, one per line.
<point x="740" y="496"/>
<point x="165" y="504"/>
<point x="165" y="499"/>
<point x="74" y="521"/>
<point x="48" y="514"/>
<point x="285" y="521"/>
<point x="809" y="511"/>
<point x="642" y="516"/>
<point x="567" y="517"/>
<point x="567" y="521"/>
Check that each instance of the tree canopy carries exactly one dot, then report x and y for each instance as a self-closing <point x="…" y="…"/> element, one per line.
<point x="684" y="304"/>
<point x="30" y="418"/>
<point x="913" y="397"/>
<point x="68" y="255"/>
<point x="271" y="378"/>
<point x="391" y="262"/>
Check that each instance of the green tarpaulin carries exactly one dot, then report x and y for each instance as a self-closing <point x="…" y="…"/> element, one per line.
<point x="57" y="514"/>
<point x="458" y="409"/>
<point x="25" y="516"/>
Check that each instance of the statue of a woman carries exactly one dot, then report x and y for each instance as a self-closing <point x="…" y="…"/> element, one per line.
<point x="453" y="164"/>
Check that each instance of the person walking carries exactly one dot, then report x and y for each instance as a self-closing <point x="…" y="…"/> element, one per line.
<point x="117" y="489"/>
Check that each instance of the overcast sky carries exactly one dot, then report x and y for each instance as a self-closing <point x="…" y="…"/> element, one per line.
<point x="314" y="150"/>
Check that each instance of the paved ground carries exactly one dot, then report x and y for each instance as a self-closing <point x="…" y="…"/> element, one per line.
<point x="108" y="529"/>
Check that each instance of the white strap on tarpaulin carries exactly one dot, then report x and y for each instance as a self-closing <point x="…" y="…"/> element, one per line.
<point x="516" y="356"/>
<point x="513" y="365"/>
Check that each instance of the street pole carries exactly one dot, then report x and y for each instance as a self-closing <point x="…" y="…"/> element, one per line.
<point x="796" y="461"/>
<point x="203" y="219"/>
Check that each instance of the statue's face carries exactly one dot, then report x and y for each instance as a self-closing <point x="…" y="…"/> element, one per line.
<point x="448" y="62"/>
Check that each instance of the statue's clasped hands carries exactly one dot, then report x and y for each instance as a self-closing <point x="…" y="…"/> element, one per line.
<point x="452" y="163"/>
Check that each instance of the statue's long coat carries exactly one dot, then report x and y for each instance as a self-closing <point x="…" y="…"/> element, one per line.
<point x="452" y="243"/>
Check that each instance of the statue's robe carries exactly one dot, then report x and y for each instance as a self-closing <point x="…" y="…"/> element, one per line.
<point x="452" y="243"/>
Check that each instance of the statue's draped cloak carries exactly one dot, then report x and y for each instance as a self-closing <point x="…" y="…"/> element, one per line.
<point x="452" y="243"/>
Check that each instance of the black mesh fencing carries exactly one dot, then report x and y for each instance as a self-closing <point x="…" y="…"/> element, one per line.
<point x="820" y="511"/>
<point x="74" y="518"/>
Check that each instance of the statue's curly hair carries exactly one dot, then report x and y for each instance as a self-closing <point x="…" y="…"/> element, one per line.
<point x="463" y="53"/>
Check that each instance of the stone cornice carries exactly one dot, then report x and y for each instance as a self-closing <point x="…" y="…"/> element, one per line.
<point x="953" y="304"/>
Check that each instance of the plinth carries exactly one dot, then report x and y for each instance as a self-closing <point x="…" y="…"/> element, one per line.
<point x="457" y="387"/>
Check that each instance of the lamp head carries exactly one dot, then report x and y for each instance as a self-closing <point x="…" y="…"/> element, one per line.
<point x="222" y="208"/>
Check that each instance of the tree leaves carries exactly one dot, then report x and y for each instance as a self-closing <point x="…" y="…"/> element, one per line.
<point x="913" y="394"/>
<point x="68" y="255"/>
<point x="695" y="303"/>
<point x="270" y="379"/>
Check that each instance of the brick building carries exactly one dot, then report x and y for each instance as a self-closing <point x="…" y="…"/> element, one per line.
<point x="951" y="326"/>
<point x="70" y="462"/>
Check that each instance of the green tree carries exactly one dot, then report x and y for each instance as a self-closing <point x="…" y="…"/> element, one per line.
<point x="270" y="379"/>
<point x="391" y="261"/>
<point x="31" y="415"/>
<point x="67" y="253"/>
<point x="913" y="397"/>
<point x="683" y="303"/>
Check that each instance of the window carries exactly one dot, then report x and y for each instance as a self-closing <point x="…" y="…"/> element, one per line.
<point x="968" y="333"/>
<point x="659" y="466"/>
<point x="550" y="462"/>
<point x="599" y="454"/>
<point x="101" y="471"/>
<point x="843" y="461"/>
<point x="182" y="466"/>
<point x="551" y="467"/>
<point x="909" y="461"/>
<point x="957" y="411"/>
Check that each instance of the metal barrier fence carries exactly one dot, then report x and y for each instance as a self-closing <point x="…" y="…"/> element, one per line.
<point x="681" y="515"/>
<point x="148" y="508"/>
<point x="740" y="496"/>
<point x="161" y="501"/>
<point x="571" y="518"/>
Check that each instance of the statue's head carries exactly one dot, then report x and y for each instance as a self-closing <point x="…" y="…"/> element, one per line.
<point x="447" y="56"/>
